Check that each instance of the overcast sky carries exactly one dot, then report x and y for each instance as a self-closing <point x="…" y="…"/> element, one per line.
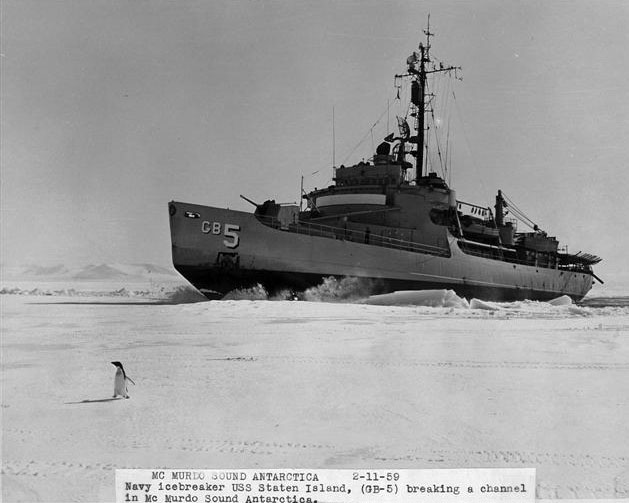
<point x="112" y="108"/>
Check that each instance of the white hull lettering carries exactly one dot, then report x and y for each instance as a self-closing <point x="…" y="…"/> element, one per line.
<point x="230" y="231"/>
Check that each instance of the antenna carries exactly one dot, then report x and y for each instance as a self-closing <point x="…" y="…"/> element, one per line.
<point x="448" y="154"/>
<point x="333" y="141"/>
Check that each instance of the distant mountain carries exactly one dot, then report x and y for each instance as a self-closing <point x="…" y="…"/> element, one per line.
<point x="102" y="271"/>
<point x="145" y="269"/>
<point x="39" y="270"/>
<point x="92" y="272"/>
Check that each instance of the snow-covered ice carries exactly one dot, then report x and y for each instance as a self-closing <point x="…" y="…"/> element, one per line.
<point x="258" y="383"/>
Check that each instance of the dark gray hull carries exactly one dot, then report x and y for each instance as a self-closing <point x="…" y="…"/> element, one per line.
<point x="219" y="250"/>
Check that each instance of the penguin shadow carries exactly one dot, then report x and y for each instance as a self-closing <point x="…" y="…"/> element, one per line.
<point x="99" y="400"/>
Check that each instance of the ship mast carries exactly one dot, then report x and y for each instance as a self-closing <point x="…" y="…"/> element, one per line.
<point x="424" y="55"/>
<point x="418" y="94"/>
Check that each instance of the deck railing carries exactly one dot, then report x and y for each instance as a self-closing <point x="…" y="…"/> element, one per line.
<point x="354" y="235"/>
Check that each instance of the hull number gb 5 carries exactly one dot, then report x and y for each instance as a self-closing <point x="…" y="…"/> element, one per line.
<point x="230" y="231"/>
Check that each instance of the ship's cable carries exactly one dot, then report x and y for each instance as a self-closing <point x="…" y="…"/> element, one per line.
<point x="519" y="214"/>
<point x="370" y="132"/>
<point x="467" y="143"/>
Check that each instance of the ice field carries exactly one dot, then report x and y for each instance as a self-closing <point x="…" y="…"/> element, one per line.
<point x="346" y="384"/>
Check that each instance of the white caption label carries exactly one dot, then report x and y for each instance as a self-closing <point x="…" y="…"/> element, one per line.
<point x="326" y="486"/>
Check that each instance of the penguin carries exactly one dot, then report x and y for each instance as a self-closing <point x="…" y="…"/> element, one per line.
<point x="120" y="381"/>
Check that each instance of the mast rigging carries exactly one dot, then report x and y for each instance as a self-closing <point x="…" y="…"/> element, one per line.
<point x="418" y="95"/>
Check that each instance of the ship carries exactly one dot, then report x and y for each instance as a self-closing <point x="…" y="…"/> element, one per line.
<point x="390" y="223"/>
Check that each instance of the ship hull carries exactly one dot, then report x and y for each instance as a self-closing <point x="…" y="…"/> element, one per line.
<point x="219" y="250"/>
